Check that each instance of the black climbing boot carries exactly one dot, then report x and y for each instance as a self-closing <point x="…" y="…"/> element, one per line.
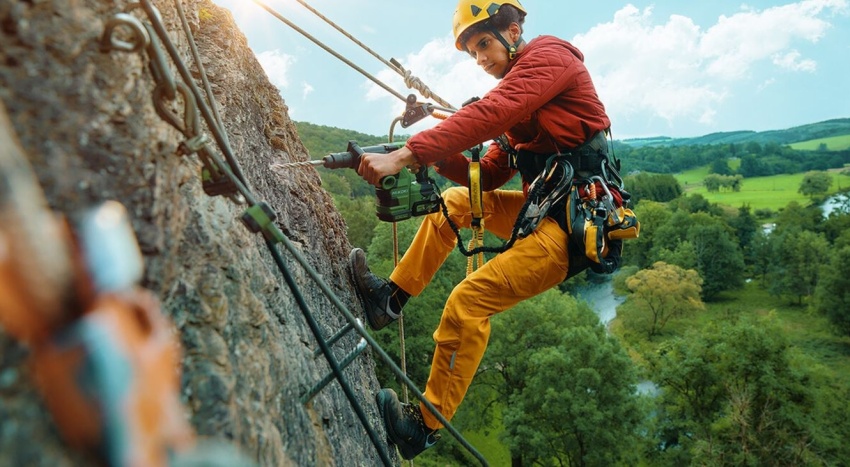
<point x="374" y="293"/>
<point x="405" y="426"/>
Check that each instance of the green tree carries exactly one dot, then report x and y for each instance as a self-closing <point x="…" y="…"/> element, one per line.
<point x="703" y="242"/>
<point x="837" y="224"/>
<point x="720" y="167"/>
<point x="695" y="203"/>
<point x="720" y="261"/>
<point x="832" y="294"/>
<point x="762" y="255"/>
<point x="736" y="182"/>
<point x="753" y="148"/>
<point x="658" y="294"/>
<point x="569" y="386"/>
<point x="731" y="396"/>
<point x="745" y="227"/>
<point x="795" y="217"/>
<point x="815" y="184"/>
<point x="712" y="182"/>
<point x="652" y="215"/>
<point x="683" y="254"/>
<point x="654" y="187"/>
<point x="360" y="218"/>
<point x="751" y="166"/>
<point x="796" y="263"/>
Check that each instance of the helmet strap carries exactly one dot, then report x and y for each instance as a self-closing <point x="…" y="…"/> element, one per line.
<point x="512" y="48"/>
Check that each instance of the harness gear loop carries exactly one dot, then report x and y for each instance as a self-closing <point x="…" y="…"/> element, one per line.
<point x="549" y="187"/>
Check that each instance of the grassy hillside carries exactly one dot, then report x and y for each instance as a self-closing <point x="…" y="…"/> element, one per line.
<point x="825" y="129"/>
<point x="834" y="143"/>
<point x="773" y="192"/>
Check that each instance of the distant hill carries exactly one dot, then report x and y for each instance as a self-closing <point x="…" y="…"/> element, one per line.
<point x="825" y="129"/>
<point x="321" y="140"/>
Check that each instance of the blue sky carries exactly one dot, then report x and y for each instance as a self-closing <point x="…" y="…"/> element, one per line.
<point x="675" y="68"/>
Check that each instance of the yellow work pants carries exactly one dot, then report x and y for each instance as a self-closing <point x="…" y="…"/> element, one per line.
<point x="533" y="265"/>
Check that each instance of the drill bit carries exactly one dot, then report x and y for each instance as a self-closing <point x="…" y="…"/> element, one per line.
<point x="278" y="166"/>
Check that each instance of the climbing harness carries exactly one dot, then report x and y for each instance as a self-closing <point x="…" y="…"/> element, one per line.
<point x="260" y="218"/>
<point x="583" y="191"/>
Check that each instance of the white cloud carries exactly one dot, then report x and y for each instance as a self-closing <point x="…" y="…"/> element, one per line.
<point x="306" y="90"/>
<point x="276" y="65"/>
<point x="739" y="41"/>
<point x="761" y="87"/>
<point x="791" y="61"/>
<point x="645" y="68"/>
<point x="676" y="70"/>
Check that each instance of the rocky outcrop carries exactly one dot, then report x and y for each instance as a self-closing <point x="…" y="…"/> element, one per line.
<point x="88" y="125"/>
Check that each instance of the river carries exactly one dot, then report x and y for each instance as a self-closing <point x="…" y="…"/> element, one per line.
<point x="602" y="299"/>
<point x="834" y="202"/>
<point x="604" y="302"/>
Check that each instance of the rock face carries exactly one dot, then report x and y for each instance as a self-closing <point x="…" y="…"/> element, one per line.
<point x="87" y="122"/>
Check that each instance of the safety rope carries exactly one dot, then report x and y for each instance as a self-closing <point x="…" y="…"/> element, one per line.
<point x="259" y="218"/>
<point x="198" y="63"/>
<point x="401" y="340"/>
<point x="474" y="242"/>
<point x="329" y="50"/>
<point x="410" y="81"/>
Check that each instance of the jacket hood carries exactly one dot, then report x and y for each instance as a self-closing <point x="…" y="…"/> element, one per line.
<point x="552" y="41"/>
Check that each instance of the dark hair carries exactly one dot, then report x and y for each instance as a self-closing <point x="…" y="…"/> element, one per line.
<point x="500" y="21"/>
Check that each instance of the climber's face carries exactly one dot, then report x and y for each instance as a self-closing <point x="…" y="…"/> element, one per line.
<point x="489" y="53"/>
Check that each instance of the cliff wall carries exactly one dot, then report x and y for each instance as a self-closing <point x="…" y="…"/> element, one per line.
<point x="87" y="123"/>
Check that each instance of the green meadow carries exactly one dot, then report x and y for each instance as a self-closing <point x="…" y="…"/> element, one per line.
<point x="835" y="143"/>
<point x="773" y="192"/>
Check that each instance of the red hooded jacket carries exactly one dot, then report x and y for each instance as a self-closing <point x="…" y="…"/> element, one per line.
<point x="545" y="103"/>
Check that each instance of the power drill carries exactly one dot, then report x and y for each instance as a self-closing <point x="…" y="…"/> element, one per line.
<point x="400" y="196"/>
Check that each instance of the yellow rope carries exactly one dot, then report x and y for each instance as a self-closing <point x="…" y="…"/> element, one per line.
<point x="402" y="349"/>
<point x="474" y="242"/>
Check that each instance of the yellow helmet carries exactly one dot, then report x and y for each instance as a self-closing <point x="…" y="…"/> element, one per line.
<point x="469" y="12"/>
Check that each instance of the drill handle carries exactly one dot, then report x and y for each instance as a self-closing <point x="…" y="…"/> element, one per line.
<point x="355" y="150"/>
<point x="422" y="175"/>
<point x="387" y="183"/>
